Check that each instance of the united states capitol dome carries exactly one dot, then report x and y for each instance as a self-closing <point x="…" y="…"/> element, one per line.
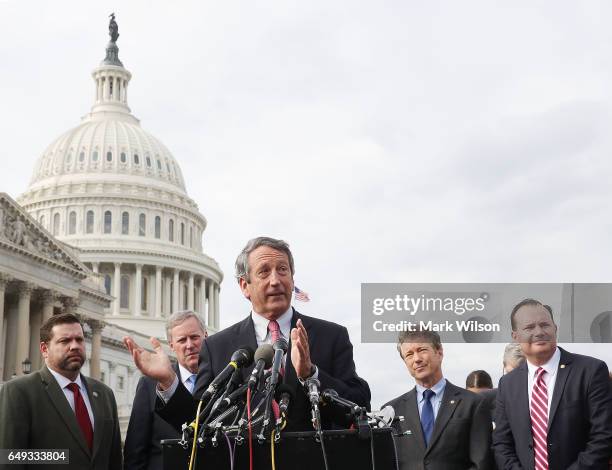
<point x="115" y="192"/>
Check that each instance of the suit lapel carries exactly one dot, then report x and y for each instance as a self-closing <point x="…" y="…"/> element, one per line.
<point x="410" y="410"/>
<point x="97" y="408"/>
<point x="290" y="377"/>
<point x="562" y="373"/>
<point x="447" y="408"/>
<point x="59" y="401"/>
<point x="246" y="337"/>
<point x="522" y="396"/>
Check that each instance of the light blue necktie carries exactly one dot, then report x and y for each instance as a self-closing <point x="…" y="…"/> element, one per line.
<point x="190" y="382"/>
<point x="427" y="415"/>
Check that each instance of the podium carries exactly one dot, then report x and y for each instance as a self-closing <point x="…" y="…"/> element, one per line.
<point x="294" y="451"/>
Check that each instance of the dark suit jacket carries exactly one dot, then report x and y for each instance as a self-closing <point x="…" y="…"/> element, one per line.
<point x="461" y="438"/>
<point x="580" y="417"/>
<point x="330" y="350"/>
<point x="142" y="450"/>
<point x="35" y="414"/>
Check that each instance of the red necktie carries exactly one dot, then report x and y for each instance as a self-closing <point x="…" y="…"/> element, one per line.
<point x="82" y="415"/>
<point x="539" y="420"/>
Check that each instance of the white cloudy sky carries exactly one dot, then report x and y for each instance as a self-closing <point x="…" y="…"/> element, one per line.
<point x="387" y="141"/>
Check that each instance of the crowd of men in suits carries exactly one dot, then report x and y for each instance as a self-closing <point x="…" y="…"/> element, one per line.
<point x="552" y="409"/>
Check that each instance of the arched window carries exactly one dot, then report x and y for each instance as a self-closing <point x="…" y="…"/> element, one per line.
<point x="123" y="157"/>
<point x="90" y="222"/>
<point x="185" y="294"/>
<point x="125" y="223"/>
<point x="108" y="222"/>
<point x="109" y="156"/>
<point x="144" y="294"/>
<point x="190" y="237"/>
<point x="94" y="156"/>
<point x="142" y="225"/>
<point x="56" y="224"/>
<point x="157" y="226"/>
<point x="148" y="161"/>
<point x="136" y="159"/>
<point x="125" y="292"/>
<point x="171" y="230"/>
<point x="72" y="223"/>
<point x="82" y="156"/>
<point x="182" y="233"/>
<point x="107" y="283"/>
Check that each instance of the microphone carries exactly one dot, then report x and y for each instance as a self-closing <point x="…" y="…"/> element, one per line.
<point x="263" y="360"/>
<point x="382" y="418"/>
<point x="313" y="385"/>
<point x="242" y="357"/>
<point x="280" y="348"/>
<point x="331" y="396"/>
<point x="283" y="395"/>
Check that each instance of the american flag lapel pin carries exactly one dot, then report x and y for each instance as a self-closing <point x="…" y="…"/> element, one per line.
<point x="95" y="394"/>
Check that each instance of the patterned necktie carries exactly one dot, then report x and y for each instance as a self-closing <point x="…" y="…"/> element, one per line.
<point x="539" y="420"/>
<point x="274" y="329"/>
<point x="427" y="415"/>
<point x="82" y="415"/>
<point x="190" y="382"/>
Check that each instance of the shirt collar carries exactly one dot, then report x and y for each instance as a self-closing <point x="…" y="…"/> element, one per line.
<point x="261" y="324"/>
<point x="65" y="381"/>
<point x="551" y="366"/>
<point x="185" y="373"/>
<point x="438" y="389"/>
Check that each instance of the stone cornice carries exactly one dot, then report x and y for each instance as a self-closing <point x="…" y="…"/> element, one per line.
<point x="21" y="234"/>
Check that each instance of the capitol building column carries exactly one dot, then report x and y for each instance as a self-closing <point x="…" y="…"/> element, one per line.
<point x="191" y="293"/>
<point x="211" y="303"/>
<point x="36" y="319"/>
<point x="4" y="280"/>
<point x="96" y="348"/>
<point x="175" y="292"/>
<point x="138" y="291"/>
<point x="117" y="289"/>
<point x="158" y="292"/>
<point x="203" y="308"/>
<point x="48" y="299"/>
<point x="23" y="326"/>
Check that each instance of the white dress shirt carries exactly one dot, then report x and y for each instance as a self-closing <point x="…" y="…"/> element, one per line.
<point x="261" y="326"/>
<point x="549" y="378"/>
<point x="64" y="382"/>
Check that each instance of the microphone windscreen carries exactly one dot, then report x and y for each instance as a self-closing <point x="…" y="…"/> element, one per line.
<point x="281" y="343"/>
<point x="243" y="356"/>
<point x="265" y="352"/>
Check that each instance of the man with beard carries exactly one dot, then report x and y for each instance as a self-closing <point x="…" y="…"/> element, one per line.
<point x="58" y="408"/>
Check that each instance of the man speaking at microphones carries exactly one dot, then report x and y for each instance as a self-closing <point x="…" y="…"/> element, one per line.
<point x="317" y="348"/>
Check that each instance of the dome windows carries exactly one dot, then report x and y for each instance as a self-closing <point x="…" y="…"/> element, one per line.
<point x="123" y="157"/>
<point x="157" y="227"/>
<point x="148" y="161"/>
<point x="72" y="223"/>
<point x="56" y="224"/>
<point x="89" y="225"/>
<point x="171" y="230"/>
<point x="136" y="159"/>
<point x="108" y="222"/>
<point x="82" y="156"/>
<point x="125" y="223"/>
<point x="142" y="225"/>
<point x="109" y="156"/>
<point x="182" y="233"/>
<point x="94" y="156"/>
<point x="158" y="165"/>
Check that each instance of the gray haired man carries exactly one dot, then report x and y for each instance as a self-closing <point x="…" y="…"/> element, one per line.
<point x="185" y="333"/>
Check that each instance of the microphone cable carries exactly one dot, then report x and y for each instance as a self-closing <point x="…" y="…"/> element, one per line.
<point x="250" y="429"/>
<point x="372" y="450"/>
<point x="232" y="451"/>
<point x="195" y="438"/>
